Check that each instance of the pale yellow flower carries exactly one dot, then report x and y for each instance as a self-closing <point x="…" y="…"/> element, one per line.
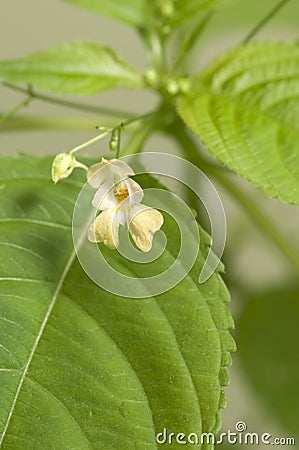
<point x="119" y="197"/>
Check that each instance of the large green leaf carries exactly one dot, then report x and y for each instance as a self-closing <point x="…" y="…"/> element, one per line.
<point x="268" y="338"/>
<point x="73" y="68"/>
<point x="130" y="11"/>
<point x="80" y="367"/>
<point x="245" y="108"/>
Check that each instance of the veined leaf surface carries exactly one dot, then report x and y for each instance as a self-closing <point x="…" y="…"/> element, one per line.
<point x="82" y="368"/>
<point x="245" y="108"/>
<point x="135" y="12"/>
<point x="74" y="68"/>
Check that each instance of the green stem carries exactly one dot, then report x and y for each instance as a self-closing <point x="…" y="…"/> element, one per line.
<point x="67" y="103"/>
<point x="62" y="123"/>
<point x="139" y="136"/>
<point x="255" y="212"/>
<point x="91" y="141"/>
<point x="17" y="108"/>
<point x="188" y="43"/>
<point x="157" y="52"/>
<point x="119" y="130"/>
<point x="264" y="21"/>
<point x="244" y="200"/>
<point x="108" y="131"/>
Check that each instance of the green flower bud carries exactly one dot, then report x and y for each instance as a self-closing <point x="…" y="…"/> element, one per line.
<point x="167" y="8"/>
<point x="113" y="143"/>
<point x="63" y="165"/>
<point x="151" y="77"/>
<point x="184" y="85"/>
<point x="172" y="86"/>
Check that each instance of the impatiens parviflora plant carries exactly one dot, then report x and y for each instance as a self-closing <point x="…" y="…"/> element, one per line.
<point x="114" y="371"/>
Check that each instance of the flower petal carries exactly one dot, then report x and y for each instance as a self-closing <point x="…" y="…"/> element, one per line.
<point x="143" y="223"/>
<point x="104" y="197"/>
<point x="105" y="229"/>
<point x="119" y="166"/>
<point x="99" y="173"/>
<point x="135" y="191"/>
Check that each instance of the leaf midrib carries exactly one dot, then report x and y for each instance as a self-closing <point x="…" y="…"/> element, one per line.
<point x="67" y="74"/>
<point x="36" y="342"/>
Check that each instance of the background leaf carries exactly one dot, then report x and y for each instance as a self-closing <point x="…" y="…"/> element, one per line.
<point x="245" y="108"/>
<point x="80" y="367"/>
<point x="135" y="12"/>
<point x="130" y="11"/>
<point x="186" y="9"/>
<point x="268" y="338"/>
<point x="73" y="68"/>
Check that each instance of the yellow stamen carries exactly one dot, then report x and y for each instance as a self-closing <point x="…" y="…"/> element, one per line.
<point x="121" y="193"/>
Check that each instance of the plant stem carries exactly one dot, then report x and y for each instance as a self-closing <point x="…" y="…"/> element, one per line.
<point x="119" y="130"/>
<point x="108" y="131"/>
<point x="191" y="40"/>
<point x="245" y="200"/>
<point x="91" y="141"/>
<point x="264" y="21"/>
<point x="139" y="136"/>
<point x="67" y="103"/>
<point x="256" y="213"/>
<point x="17" y="108"/>
<point x="61" y="123"/>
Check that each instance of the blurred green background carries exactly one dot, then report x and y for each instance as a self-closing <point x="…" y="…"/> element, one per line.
<point x="264" y="390"/>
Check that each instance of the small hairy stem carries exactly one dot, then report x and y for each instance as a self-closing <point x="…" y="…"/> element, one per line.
<point x="17" y="108"/>
<point x="244" y="200"/>
<point x="264" y="21"/>
<point x="67" y="103"/>
<point x="91" y="141"/>
<point x="157" y="52"/>
<point x="107" y="131"/>
<point x="139" y="136"/>
<point x="118" y="143"/>
<point x="190" y="41"/>
<point x="256" y="213"/>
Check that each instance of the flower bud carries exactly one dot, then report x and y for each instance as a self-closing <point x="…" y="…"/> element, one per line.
<point x="63" y="165"/>
<point x="184" y="85"/>
<point x="167" y="8"/>
<point x="151" y="78"/>
<point x="172" y="86"/>
<point x="113" y="144"/>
